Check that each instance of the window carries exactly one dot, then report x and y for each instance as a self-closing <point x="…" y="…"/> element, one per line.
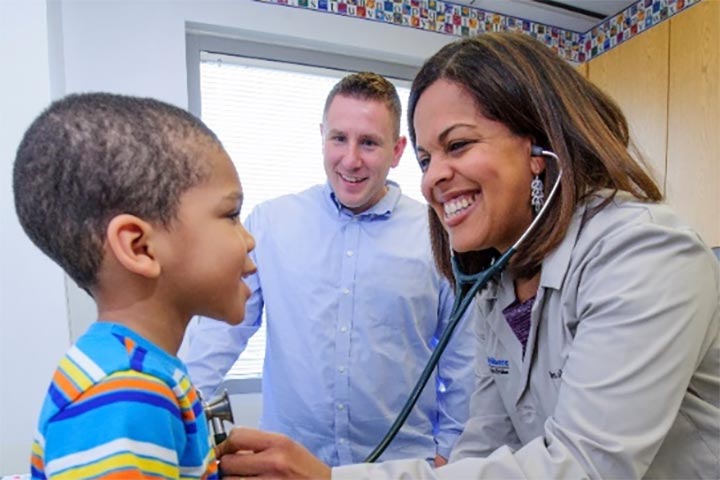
<point x="267" y="114"/>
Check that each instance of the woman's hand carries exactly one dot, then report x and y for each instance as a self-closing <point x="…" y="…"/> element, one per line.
<point x="252" y="453"/>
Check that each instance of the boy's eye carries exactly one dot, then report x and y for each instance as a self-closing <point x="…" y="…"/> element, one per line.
<point x="234" y="215"/>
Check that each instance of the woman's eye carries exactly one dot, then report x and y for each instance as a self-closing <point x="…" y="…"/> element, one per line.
<point x="455" y="146"/>
<point x="424" y="163"/>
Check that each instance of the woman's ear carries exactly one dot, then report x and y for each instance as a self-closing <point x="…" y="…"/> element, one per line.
<point x="130" y="239"/>
<point x="537" y="165"/>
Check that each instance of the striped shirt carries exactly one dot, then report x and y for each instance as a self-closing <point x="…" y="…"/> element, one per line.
<point x="120" y="407"/>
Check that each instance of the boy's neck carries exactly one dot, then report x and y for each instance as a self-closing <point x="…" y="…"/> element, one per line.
<point x="141" y="305"/>
<point x="161" y="327"/>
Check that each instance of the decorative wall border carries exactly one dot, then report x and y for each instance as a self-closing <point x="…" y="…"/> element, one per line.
<point x="449" y="18"/>
<point x="633" y="20"/>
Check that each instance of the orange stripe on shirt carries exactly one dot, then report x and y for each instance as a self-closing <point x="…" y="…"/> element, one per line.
<point x="129" y="345"/>
<point x="114" y="384"/>
<point x="127" y="475"/>
<point x="65" y="385"/>
<point x="37" y="462"/>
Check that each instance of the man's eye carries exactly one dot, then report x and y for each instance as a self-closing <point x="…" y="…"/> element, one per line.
<point x="424" y="163"/>
<point x="234" y="215"/>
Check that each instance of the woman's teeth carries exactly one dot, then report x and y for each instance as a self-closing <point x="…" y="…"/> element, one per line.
<point x="458" y="204"/>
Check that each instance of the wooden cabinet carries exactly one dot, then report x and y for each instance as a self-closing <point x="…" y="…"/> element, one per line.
<point x="693" y="151"/>
<point x="635" y="75"/>
<point x="667" y="81"/>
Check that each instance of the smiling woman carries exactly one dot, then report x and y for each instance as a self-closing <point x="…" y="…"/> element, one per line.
<point x="609" y="310"/>
<point x="474" y="194"/>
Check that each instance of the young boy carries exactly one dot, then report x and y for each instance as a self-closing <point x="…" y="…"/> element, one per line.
<point x="138" y="202"/>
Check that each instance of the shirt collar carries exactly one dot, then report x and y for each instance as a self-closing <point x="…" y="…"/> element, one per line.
<point x="381" y="209"/>
<point x="555" y="265"/>
<point x="554" y="268"/>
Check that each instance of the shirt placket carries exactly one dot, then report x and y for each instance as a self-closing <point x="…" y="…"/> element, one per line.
<point x="343" y="330"/>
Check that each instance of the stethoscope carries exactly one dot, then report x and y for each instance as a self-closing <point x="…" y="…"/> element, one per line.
<point x="463" y="298"/>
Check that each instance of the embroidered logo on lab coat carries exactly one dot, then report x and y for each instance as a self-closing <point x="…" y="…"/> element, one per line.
<point x="498" y="366"/>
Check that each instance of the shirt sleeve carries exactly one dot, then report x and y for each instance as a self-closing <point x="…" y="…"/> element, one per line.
<point x="212" y="346"/>
<point x="646" y="308"/>
<point x="454" y="374"/>
<point x="129" y="427"/>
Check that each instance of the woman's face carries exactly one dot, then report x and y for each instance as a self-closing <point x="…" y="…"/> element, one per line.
<point x="476" y="172"/>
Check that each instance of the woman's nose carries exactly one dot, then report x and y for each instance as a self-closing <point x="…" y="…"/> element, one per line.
<point x="438" y="171"/>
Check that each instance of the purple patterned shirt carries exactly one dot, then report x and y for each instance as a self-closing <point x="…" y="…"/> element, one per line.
<point x="518" y="317"/>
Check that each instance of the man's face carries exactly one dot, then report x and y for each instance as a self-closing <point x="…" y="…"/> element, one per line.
<point x="359" y="149"/>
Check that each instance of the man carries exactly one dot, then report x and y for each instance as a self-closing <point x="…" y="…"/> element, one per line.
<point x="353" y="301"/>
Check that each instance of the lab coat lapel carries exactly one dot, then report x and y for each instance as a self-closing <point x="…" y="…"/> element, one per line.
<point x="503" y="296"/>
<point x="552" y="275"/>
<point x="529" y="360"/>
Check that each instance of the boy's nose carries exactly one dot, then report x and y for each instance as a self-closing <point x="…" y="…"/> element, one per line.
<point x="249" y="240"/>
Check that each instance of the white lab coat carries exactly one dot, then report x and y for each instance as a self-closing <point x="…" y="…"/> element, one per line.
<point x="621" y="374"/>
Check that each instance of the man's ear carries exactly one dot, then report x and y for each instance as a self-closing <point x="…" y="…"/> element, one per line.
<point x="398" y="150"/>
<point x="131" y="242"/>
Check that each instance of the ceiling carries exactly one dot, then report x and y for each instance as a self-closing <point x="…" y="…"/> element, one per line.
<point x="575" y="15"/>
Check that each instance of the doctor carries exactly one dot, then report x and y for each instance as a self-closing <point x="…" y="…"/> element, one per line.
<point x="598" y="348"/>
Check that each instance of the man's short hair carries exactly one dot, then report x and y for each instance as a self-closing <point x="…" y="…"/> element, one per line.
<point x="90" y="157"/>
<point x="368" y="86"/>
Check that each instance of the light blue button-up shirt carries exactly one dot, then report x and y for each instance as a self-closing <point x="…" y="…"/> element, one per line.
<point x="354" y="306"/>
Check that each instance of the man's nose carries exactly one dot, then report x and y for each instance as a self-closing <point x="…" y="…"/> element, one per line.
<point x="353" y="157"/>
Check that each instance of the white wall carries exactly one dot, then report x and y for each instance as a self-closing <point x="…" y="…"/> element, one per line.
<point x="33" y="317"/>
<point x="132" y="47"/>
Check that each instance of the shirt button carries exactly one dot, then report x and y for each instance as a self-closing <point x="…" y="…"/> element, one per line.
<point x="340" y="406"/>
<point x="346" y="291"/>
<point x="349" y="253"/>
<point x="343" y="329"/>
<point x="343" y="441"/>
<point x="341" y="369"/>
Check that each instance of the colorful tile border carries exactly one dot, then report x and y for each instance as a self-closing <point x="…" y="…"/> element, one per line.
<point x="462" y="21"/>
<point x="633" y="20"/>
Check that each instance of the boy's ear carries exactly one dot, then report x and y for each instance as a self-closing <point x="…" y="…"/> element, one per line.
<point x="131" y="241"/>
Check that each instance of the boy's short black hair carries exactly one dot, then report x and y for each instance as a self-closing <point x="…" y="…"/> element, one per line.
<point x="89" y="157"/>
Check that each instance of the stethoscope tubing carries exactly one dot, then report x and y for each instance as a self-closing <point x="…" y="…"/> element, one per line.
<point x="460" y="306"/>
